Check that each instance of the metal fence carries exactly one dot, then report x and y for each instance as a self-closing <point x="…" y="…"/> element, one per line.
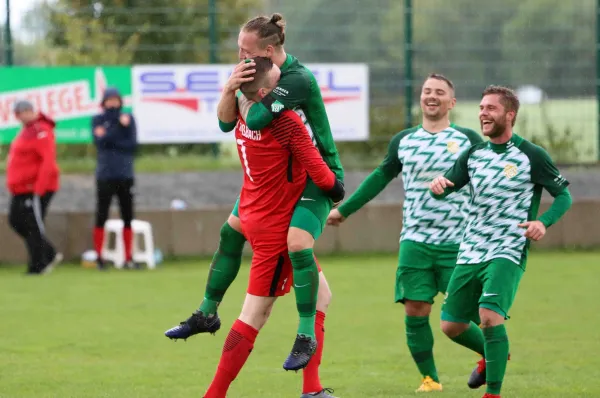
<point x="545" y="48"/>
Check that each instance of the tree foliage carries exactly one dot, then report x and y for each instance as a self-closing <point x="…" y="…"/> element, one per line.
<point x="139" y="31"/>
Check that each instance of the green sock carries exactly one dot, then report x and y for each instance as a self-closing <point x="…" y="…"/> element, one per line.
<point x="472" y="338"/>
<point x="496" y="357"/>
<point x="419" y="338"/>
<point x="306" y="287"/>
<point x="223" y="269"/>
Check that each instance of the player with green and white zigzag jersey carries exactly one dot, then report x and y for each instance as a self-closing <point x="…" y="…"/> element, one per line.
<point x="431" y="229"/>
<point x="506" y="177"/>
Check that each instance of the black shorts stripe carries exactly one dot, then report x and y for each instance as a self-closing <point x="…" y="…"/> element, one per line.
<point x="276" y="276"/>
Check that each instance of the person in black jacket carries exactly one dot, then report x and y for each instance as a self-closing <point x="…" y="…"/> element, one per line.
<point x="115" y="139"/>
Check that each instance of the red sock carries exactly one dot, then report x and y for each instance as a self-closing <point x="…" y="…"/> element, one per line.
<point x="128" y="241"/>
<point x="311" y="380"/>
<point x="98" y="240"/>
<point x="237" y="349"/>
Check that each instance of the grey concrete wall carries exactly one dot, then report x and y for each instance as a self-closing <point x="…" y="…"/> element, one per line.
<point x="196" y="232"/>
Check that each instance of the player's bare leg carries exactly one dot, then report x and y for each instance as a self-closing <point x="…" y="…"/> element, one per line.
<point x="239" y="343"/>
<point x="306" y="287"/>
<point x="311" y="386"/>
<point x="223" y="271"/>
<point x="419" y="338"/>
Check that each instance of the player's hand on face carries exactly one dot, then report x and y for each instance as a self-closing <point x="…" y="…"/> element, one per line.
<point x="242" y="73"/>
<point x="439" y="184"/>
<point x="125" y="119"/>
<point x="335" y="218"/>
<point x="99" y="131"/>
<point x="535" y="230"/>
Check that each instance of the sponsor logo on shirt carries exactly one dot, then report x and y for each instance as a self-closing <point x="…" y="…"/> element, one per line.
<point x="510" y="171"/>
<point x="282" y="92"/>
<point x="250" y="134"/>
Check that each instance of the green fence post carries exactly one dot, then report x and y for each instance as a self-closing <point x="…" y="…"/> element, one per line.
<point x="408" y="61"/>
<point x="213" y="54"/>
<point x="8" y="47"/>
<point x="598" y="75"/>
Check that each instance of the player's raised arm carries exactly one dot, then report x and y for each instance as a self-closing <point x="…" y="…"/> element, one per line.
<point x="306" y="153"/>
<point x="545" y="174"/>
<point x="227" y="107"/>
<point x="375" y="182"/>
<point x="454" y="179"/>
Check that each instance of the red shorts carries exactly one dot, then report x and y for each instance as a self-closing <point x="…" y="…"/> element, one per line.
<point x="271" y="269"/>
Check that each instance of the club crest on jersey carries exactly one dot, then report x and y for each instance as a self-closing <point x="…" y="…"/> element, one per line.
<point x="510" y="171"/>
<point x="453" y="146"/>
<point x="276" y="107"/>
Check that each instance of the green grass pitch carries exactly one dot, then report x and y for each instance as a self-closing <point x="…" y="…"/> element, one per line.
<point x="80" y="333"/>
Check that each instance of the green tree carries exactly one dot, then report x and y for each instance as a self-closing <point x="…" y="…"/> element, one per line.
<point x="457" y="38"/>
<point x="139" y="31"/>
<point x="24" y="52"/>
<point x="551" y="44"/>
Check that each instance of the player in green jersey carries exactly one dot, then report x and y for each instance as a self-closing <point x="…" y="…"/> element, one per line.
<point x="431" y="230"/>
<point x="506" y="176"/>
<point x="297" y="90"/>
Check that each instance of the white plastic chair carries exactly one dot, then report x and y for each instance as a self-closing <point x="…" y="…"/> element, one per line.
<point x="116" y="254"/>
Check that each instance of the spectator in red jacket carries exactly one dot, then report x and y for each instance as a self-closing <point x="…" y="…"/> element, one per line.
<point x="32" y="179"/>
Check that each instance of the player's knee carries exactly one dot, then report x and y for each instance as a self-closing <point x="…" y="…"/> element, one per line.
<point x="490" y="318"/>
<point x="256" y="310"/>
<point x="299" y="240"/>
<point x="234" y="222"/>
<point x="417" y="308"/>
<point x="453" y="329"/>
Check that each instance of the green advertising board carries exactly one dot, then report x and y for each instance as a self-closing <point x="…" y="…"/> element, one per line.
<point x="69" y="95"/>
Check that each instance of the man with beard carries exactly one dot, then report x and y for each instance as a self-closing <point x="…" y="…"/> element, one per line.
<point x="506" y="176"/>
<point x="432" y="230"/>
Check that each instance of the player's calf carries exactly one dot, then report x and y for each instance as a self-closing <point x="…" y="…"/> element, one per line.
<point x="240" y="343"/>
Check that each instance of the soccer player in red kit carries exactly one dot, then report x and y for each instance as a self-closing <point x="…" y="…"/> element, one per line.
<point x="275" y="162"/>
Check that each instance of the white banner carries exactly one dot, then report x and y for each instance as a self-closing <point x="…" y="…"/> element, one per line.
<point x="178" y="103"/>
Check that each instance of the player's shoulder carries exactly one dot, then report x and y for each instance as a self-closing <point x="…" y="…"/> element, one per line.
<point x="532" y="151"/>
<point x="472" y="135"/>
<point x="397" y="138"/>
<point x="406" y="133"/>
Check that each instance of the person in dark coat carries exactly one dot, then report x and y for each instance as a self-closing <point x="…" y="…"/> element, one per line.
<point x="115" y="139"/>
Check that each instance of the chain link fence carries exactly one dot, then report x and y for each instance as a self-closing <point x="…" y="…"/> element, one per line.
<point x="544" y="48"/>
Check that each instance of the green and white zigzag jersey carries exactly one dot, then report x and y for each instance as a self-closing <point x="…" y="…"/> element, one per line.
<point x="506" y="187"/>
<point x="421" y="156"/>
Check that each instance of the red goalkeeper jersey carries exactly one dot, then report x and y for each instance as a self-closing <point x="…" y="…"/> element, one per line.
<point x="275" y="162"/>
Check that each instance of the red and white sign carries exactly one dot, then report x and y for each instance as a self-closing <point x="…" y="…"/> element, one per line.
<point x="178" y="103"/>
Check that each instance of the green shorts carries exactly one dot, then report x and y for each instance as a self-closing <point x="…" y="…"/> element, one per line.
<point x="311" y="210"/>
<point x="424" y="270"/>
<point x="492" y="285"/>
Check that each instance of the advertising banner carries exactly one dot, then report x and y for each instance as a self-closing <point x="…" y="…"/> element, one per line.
<point x="178" y="103"/>
<point x="70" y="95"/>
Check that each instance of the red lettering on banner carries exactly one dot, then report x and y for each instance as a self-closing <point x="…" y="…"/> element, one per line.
<point x="6" y="108"/>
<point x="78" y="93"/>
<point x="50" y="103"/>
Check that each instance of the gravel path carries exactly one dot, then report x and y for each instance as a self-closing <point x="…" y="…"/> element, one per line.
<point x="156" y="191"/>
